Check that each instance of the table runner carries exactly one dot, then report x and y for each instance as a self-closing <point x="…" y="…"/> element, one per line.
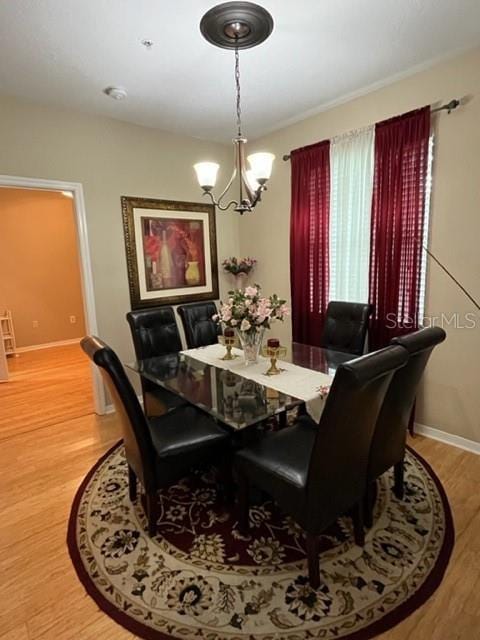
<point x="293" y="381"/>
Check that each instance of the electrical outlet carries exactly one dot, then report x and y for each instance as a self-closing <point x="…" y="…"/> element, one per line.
<point x="73" y="319"/>
<point x="35" y="324"/>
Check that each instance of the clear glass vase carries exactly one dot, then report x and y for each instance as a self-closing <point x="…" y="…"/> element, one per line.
<point x="251" y="342"/>
<point x="240" y="280"/>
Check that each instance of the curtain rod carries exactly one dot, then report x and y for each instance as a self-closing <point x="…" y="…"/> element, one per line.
<point x="449" y="107"/>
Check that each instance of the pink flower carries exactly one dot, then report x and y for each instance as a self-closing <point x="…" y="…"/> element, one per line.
<point x="251" y="291"/>
<point x="225" y="313"/>
<point x="245" y="326"/>
<point x="324" y="390"/>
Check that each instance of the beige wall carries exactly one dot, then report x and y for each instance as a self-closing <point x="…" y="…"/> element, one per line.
<point x="39" y="268"/>
<point x="451" y="399"/>
<point x="110" y="158"/>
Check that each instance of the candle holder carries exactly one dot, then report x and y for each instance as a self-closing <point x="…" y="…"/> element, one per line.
<point x="274" y="353"/>
<point x="229" y="343"/>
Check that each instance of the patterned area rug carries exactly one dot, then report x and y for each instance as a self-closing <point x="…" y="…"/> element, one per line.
<point x="200" y="578"/>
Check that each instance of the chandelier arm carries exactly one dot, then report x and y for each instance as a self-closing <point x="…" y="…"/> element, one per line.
<point x="258" y="195"/>
<point x="233" y="203"/>
<point x="233" y="176"/>
<point x="241" y="165"/>
<point x="217" y="203"/>
<point x="250" y="192"/>
<point x="229" y="183"/>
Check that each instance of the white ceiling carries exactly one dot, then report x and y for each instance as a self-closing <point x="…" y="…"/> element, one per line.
<point x="65" y="52"/>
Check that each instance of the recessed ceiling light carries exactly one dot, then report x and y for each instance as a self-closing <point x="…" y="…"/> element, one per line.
<point x="117" y="93"/>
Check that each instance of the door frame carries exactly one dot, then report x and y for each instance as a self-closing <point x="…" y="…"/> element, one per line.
<point x="86" y="278"/>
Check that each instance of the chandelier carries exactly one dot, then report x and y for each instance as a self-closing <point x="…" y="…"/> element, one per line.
<point x="237" y="25"/>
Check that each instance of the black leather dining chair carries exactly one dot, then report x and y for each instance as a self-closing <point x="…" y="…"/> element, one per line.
<point x="200" y="329"/>
<point x="159" y="450"/>
<point x="155" y="333"/>
<point x="317" y="473"/>
<point x="390" y="435"/>
<point x="346" y="326"/>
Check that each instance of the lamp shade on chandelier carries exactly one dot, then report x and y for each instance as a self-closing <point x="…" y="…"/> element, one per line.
<point x="237" y="25"/>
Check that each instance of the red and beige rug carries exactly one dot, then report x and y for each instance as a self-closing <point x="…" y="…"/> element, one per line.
<point x="201" y="579"/>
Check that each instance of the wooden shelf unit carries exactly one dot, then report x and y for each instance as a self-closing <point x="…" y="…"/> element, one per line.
<point x="7" y="332"/>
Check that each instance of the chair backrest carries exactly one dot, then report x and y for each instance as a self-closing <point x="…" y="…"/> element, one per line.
<point x="338" y="466"/>
<point x="136" y="436"/>
<point x="388" y="443"/>
<point x="200" y="329"/>
<point x="154" y="332"/>
<point x="346" y="325"/>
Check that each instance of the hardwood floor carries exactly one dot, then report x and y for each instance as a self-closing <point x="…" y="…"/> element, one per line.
<point x="45" y="386"/>
<point x="44" y="459"/>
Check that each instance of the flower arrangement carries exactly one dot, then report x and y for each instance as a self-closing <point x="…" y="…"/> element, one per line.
<point x="249" y="311"/>
<point x="239" y="265"/>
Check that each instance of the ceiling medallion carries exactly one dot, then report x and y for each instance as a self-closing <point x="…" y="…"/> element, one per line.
<point x="237" y="25"/>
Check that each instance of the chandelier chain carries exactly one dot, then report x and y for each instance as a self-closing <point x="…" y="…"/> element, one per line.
<point x="237" y="83"/>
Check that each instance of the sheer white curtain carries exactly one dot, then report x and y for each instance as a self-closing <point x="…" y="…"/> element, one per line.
<point x="351" y="187"/>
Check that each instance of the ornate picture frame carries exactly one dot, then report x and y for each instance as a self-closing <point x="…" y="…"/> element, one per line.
<point x="171" y="250"/>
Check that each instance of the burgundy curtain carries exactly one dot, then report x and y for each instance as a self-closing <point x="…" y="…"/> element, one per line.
<point x="309" y="224"/>
<point x="398" y="209"/>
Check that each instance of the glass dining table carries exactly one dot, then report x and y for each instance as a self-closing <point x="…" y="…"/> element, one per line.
<point x="229" y="397"/>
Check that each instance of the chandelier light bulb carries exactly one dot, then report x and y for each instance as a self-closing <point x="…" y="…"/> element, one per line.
<point x="206" y="174"/>
<point x="261" y="165"/>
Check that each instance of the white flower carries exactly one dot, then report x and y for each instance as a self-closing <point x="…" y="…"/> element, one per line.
<point x="233" y="322"/>
<point x="245" y="326"/>
<point x="251" y="291"/>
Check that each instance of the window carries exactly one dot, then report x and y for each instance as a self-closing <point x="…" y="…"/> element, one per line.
<point x="351" y="165"/>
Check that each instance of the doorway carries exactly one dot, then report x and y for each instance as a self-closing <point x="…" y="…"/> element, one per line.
<point x="46" y="223"/>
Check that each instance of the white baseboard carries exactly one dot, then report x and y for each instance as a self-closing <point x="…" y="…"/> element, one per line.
<point x="448" y="438"/>
<point x="47" y="345"/>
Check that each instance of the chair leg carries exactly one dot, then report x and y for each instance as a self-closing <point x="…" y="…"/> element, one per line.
<point x="313" y="560"/>
<point x="243" y="506"/>
<point x="132" y="484"/>
<point x="358" y="524"/>
<point x="398" y="487"/>
<point x="152" y="513"/>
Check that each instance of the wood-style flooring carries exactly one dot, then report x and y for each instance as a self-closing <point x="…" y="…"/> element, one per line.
<point x="45" y="387"/>
<point x="44" y="457"/>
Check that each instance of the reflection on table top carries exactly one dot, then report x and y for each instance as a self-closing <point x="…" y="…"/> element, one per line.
<point x="227" y="396"/>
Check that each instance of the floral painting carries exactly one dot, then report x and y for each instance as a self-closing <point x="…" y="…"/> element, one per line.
<point x="171" y="251"/>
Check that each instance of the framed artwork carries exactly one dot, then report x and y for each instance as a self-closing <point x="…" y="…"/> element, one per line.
<point x="171" y="251"/>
